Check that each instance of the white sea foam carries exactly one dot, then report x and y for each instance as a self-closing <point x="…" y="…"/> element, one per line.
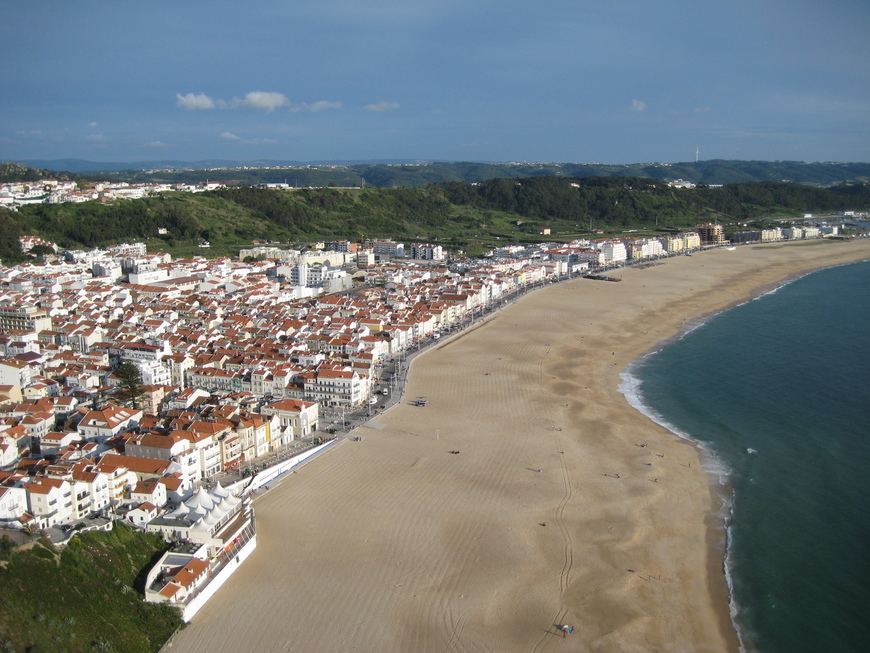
<point x="717" y="471"/>
<point x="631" y="390"/>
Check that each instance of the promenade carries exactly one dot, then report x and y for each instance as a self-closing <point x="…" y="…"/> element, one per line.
<point x="518" y="500"/>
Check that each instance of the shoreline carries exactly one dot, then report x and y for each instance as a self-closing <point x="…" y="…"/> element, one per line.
<point x="405" y="548"/>
<point x="721" y="490"/>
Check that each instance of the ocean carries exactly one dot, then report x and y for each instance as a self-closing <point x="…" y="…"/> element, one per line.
<point x="777" y="390"/>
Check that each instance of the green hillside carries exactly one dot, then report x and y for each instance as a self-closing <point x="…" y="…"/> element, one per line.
<point x="457" y="215"/>
<point x="715" y="171"/>
<point x="18" y="172"/>
<point x="421" y="175"/>
<point x="83" y="597"/>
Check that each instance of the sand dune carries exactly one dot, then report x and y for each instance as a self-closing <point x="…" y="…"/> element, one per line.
<point x="550" y="513"/>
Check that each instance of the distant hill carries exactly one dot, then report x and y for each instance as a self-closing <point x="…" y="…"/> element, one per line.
<point x="411" y="174"/>
<point x="459" y="215"/>
<point x="20" y="172"/>
<point x="85" y="166"/>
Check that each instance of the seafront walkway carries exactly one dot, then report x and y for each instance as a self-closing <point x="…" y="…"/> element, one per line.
<point x="338" y="424"/>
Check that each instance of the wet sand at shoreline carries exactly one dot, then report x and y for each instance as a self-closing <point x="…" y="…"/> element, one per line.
<point x="563" y="505"/>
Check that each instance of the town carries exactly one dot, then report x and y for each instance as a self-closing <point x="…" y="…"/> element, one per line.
<point x="165" y="393"/>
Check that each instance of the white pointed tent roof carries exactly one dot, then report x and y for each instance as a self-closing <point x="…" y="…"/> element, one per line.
<point x="206" y="507"/>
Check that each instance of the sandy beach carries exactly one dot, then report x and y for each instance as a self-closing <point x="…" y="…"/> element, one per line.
<point x="563" y="505"/>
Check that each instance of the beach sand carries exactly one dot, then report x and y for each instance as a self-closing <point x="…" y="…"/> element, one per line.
<point x="551" y="513"/>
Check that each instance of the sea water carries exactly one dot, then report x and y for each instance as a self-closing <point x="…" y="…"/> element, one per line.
<point x="778" y="392"/>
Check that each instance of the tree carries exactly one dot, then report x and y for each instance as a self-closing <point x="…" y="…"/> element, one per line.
<point x="10" y="248"/>
<point x="41" y="250"/>
<point x="131" y="381"/>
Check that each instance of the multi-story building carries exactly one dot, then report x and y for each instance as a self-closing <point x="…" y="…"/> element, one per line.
<point x="335" y="388"/>
<point x="614" y="252"/>
<point x="711" y="234"/>
<point x="387" y="249"/>
<point x="153" y="372"/>
<point x="674" y="244"/>
<point x="427" y="252"/>
<point x="15" y="372"/>
<point x="215" y="380"/>
<point x="49" y="500"/>
<point x="24" y="318"/>
<point x="691" y="240"/>
<point x="90" y="490"/>
<point x="365" y="258"/>
<point x="206" y="444"/>
<point x="255" y="434"/>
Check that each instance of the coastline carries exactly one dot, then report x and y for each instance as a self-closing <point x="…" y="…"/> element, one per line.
<point x="721" y="490"/>
<point x="392" y="543"/>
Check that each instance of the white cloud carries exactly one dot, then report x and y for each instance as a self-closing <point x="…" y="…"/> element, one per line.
<point x="262" y="100"/>
<point x="93" y="124"/>
<point x="156" y="144"/>
<point x="193" y="101"/>
<point x="229" y="136"/>
<point x="253" y="100"/>
<point x="382" y="106"/>
<point x="96" y="138"/>
<point x="637" y="105"/>
<point x="323" y="105"/>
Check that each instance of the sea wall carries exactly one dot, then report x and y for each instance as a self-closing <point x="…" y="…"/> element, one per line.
<point x="190" y="610"/>
<point x="259" y="480"/>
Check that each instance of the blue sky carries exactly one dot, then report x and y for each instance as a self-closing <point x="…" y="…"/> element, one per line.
<point x="484" y="80"/>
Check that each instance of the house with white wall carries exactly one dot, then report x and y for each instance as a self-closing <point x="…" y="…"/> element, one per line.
<point x="101" y="425"/>
<point x="297" y="418"/>
<point x="49" y="500"/>
<point x="13" y="505"/>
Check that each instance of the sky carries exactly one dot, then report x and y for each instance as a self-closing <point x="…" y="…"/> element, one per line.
<point x="623" y="81"/>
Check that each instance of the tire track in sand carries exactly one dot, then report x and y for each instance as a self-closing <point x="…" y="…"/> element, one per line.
<point x="567" y="543"/>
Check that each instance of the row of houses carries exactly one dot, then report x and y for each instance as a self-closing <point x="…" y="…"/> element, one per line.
<point x="53" y="191"/>
<point x="232" y="363"/>
<point x="119" y="457"/>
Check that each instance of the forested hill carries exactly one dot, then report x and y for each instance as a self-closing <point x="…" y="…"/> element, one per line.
<point x="410" y="175"/>
<point x="457" y="215"/>
<point x="624" y="202"/>
<point x="19" y="172"/>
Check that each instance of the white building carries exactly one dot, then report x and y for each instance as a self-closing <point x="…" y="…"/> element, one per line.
<point x="335" y="388"/>
<point x="49" y="500"/>
<point x="211" y="517"/>
<point x="614" y="252"/>
<point x="297" y="418"/>
<point x="100" y="425"/>
<point x="13" y="505"/>
<point x="427" y="252"/>
<point x="153" y="372"/>
<point x="387" y="249"/>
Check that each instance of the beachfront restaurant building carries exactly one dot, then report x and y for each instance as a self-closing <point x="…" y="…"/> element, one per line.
<point x="211" y="517"/>
<point x="214" y="533"/>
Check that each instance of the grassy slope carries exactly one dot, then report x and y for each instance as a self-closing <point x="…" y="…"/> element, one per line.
<point x="83" y="597"/>
<point x="456" y="215"/>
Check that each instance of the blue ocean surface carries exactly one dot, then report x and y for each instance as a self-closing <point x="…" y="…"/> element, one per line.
<point x="778" y="391"/>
